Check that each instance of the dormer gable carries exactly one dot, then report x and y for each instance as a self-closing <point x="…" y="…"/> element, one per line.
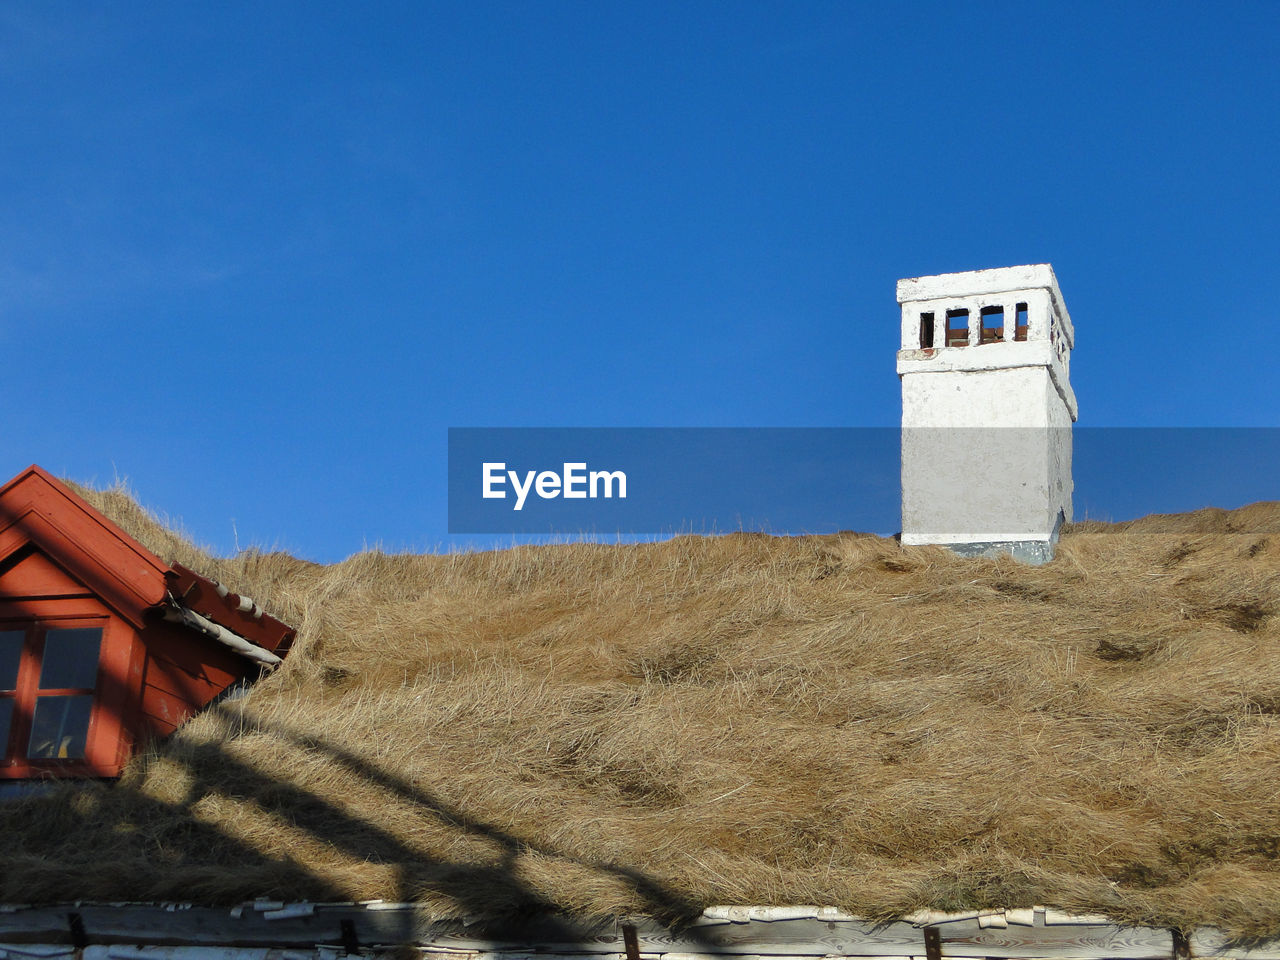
<point x="35" y="509"/>
<point x="102" y="644"/>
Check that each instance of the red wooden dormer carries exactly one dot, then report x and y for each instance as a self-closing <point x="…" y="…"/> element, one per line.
<point x="102" y="645"/>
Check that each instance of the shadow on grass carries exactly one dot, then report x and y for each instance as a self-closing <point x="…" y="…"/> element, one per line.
<point x="118" y="842"/>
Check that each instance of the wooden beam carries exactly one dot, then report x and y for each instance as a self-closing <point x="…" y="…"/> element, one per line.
<point x="629" y="940"/>
<point x="932" y="944"/>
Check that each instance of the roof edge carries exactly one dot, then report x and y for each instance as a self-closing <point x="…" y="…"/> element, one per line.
<point x="38" y="508"/>
<point x="974" y="283"/>
<point x="760" y="932"/>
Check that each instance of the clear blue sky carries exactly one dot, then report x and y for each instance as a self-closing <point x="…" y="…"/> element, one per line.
<point x="256" y="258"/>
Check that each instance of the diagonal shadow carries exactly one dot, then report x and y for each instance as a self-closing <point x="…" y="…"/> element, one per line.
<point x="322" y="819"/>
<point x="170" y="848"/>
<point x="170" y="843"/>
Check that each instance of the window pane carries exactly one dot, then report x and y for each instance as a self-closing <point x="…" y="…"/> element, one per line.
<point x="70" y="658"/>
<point x="60" y="727"/>
<point x="10" y="654"/>
<point x="6" y="715"/>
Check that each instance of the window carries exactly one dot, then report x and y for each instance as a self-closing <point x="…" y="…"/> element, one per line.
<point x="926" y="331"/>
<point x="957" y="328"/>
<point x="992" y="325"/>
<point x="48" y="676"/>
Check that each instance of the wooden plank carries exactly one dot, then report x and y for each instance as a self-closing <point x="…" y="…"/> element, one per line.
<point x="165" y="711"/>
<point x="1208" y="942"/>
<point x="33" y="575"/>
<point x="192" y="659"/>
<point x="964" y="938"/>
<point x="52" y="608"/>
<point x="201" y="595"/>
<point x="1054" y="917"/>
<point x="154" y="925"/>
<point x="789" y="937"/>
<point x="115" y="693"/>
<point x="183" y="663"/>
<point x="1084" y="941"/>
<point x="778" y="940"/>
<point x="164" y="675"/>
<point x="131" y="952"/>
<point x="930" y="918"/>
<point x="145" y="925"/>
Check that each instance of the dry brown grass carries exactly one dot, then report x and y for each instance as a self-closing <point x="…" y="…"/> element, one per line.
<point x="740" y="719"/>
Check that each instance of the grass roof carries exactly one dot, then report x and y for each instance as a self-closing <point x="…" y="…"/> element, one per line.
<point x="655" y="728"/>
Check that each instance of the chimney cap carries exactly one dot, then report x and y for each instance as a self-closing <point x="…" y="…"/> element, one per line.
<point x="976" y="283"/>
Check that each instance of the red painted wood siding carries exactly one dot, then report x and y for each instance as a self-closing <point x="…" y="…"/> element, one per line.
<point x="36" y="508"/>
<point x="64" y="564"/>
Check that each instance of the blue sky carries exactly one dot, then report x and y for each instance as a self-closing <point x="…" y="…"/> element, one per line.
<point x="256" y="258"/>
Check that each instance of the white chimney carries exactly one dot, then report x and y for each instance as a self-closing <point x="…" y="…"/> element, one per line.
<point x="987" y="409"/>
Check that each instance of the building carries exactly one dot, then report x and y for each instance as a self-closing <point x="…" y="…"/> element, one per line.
<point x="738" y="747"/>
<point x="987" y="408"/>
<point x="103" y="646"/>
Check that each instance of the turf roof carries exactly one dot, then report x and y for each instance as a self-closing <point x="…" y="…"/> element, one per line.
<point x="654" y="728"/>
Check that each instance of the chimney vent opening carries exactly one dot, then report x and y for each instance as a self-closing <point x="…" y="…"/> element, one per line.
<point x="958" y="328"/>
<point x="992" y="324"/>
<point x="1020" y="324"/>
<point x="926" y="331"/>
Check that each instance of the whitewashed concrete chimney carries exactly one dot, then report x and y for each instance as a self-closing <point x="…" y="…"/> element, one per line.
<point x="987" y="409"/>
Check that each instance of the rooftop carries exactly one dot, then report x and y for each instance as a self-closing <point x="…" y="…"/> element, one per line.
<point x="654" y="729"/>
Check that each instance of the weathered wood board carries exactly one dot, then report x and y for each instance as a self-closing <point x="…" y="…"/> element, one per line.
<point x="157" y="932"/>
